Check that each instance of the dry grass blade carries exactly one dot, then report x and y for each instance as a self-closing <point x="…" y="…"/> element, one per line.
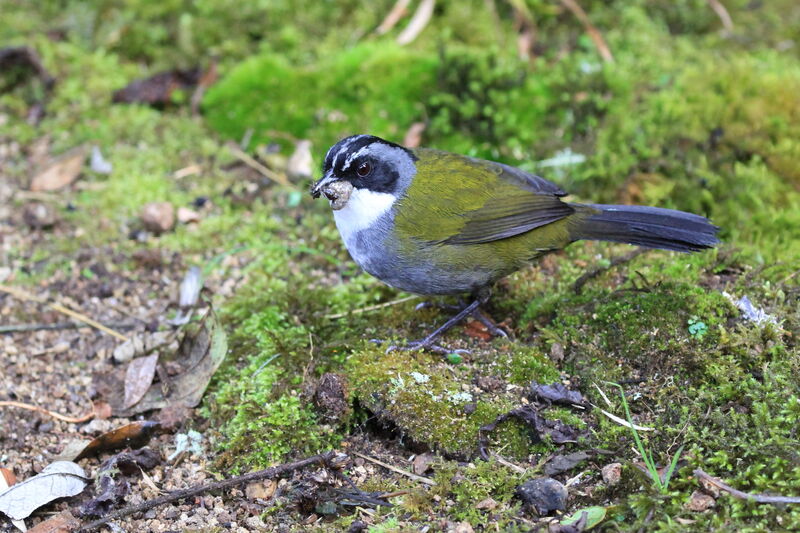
<point x="371" y="308"/>
<point x="23" y="295"/>
<point x="258" y="167"/>
<point x="622" y="421"/>
<point x="722" y="13"/>
<point x="393" y="17"/>
<point x="593" y="32"/>
<point x="400" y="471"/>
<point x="418" y="22"/>
<point x="63" y="418"/>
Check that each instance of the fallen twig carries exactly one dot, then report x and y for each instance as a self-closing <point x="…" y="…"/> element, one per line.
<point x="393" y="17"/>
<point x="505" y="462"/>
<point x="268" y="473"/>
<point x="722" y="13"/>
<point x="18" y="328"/>
<point x="63" y="418"/>
<point x="619" y="260"/>
<point x="371" y="307"/>
<point x="23" y="295"/>
<point x="593" y="32"/>
<point x="258" y="167"/>
<point x="417" y="23"/>
<point x="400" y="471"/>
<point x="758" y="498"/>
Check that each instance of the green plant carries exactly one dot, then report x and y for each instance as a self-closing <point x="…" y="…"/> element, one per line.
<point x="661" y="484"/>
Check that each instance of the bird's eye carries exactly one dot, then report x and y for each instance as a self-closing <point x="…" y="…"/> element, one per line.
<point x="364" y="169"/>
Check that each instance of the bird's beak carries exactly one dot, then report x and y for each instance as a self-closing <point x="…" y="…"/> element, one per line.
<point x="335" y="190"/>
<point x="318" y="187"/>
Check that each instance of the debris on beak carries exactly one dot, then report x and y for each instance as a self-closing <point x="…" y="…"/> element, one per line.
<point x="335" y="190"/>
<point x="338" y="193"/>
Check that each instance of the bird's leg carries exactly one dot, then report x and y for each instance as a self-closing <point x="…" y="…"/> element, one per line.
<point x="428" y="342"/>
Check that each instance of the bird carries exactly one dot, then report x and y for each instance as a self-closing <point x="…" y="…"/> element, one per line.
<point x="432" y="222"/>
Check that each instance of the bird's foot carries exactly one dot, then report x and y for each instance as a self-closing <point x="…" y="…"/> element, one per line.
<point x="491" y="327"/>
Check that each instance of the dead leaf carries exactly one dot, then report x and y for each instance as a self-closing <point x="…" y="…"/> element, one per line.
<point x="261" y="490"/>
<point x="200" y="353"/>
<point x="61" y="172"/>
<point x="422" y="463"/>
<point x="98" y="163"/>
<point x="158" y="90"/>
<point x="487" y="504"/>
<point x="8" y="476"/>
<point x="558" y="431"/>
<point x="72" y="449"/>
<point x="556" y="393"/>
<point x="700" y="501"/>
<point x="187" y="216"/>
<point x="63" y="522"/>
<point x="111" y="487"/>
<point x="102" y="410"/>
<point x="134" y="435"/>
<point x="562" y="463"/>
<point x="138" y="378"/>
<point x="60" y="479"/>
<point x="300" y="164"/>
<point x="476" y="330"/>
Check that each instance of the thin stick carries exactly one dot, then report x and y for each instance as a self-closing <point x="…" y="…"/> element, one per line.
<point x="269" y="473"/>
<point x="722" y="13"/>
<point x="619" y="260"/>
<point x="594" y="34"/>
<point x="758" y="498"/>
<point x="23" y="295"/>
<point x="393" y="17"/>
<point x="258" y="167"/>
<point x="19" y="328"/>
<point x="400" y="471"/>
<point x="63" y="418"/>
<point x="371" y="307"/>
<point x="417" y="23"/>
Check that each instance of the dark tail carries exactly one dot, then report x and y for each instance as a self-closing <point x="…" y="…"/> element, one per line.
<point x="652" y="227"/>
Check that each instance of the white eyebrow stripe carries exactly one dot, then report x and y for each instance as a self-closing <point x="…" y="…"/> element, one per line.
<point x="352" y="157"/>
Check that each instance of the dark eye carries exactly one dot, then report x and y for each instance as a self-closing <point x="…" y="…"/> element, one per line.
<point x="364" y="169"/>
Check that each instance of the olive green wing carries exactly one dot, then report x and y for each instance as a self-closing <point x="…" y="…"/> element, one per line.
<point x="460" y="200"/>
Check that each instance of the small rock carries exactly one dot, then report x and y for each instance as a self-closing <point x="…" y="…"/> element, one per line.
<point x="463" y="527"/>
<point x="470" y="408"/>
<point x="487" y="504"/>
<point x="562" y="463"/>
<point x="187" y="216"/>
<point x="128" y="349"/>
<point x="557" y="352"/>
<point x="158" y="217"/>
<point x="357" y="527"/>
<point x="612" y="473"/>
<point x="700" y="501"/>
<point x="489" y="383"/>
<point x="255" y="523"/>
<point x="39" y="216"/>
<point x="300" y="164"/>
<point x="544" y="494"/>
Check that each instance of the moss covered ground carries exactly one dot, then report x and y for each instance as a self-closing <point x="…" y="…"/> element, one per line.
<point x="688" y="116"/>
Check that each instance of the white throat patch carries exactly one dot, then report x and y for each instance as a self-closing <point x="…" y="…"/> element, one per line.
<point x="362" y="210"/>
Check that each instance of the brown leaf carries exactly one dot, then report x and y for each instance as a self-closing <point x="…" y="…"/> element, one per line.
<point x="612" y="473"/>
<point x="8" y="476"/>
<point x="134" y="435"/>
<point x="700" y="501"/>
<point x="158" y="89"/>
<point x="187" y="216"/>
<point x="200" y="353"/>
<point x="476" y="330"/>
<point x="63" y="522"/>
<point x="61" y="172"/>
<point x="422" y="463"/>
<point x="261" y="490"/>
<point x="102" y="410"/>
<point x="138" y="379"/>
